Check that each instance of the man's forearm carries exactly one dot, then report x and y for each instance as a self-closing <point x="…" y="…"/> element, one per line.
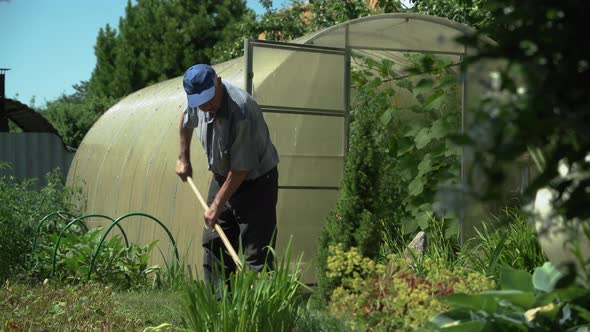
<point x="233" y="180"/>
<point x="185" y="141"/>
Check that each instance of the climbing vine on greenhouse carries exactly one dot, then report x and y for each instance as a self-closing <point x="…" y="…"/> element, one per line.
<point x="419" y="109"/>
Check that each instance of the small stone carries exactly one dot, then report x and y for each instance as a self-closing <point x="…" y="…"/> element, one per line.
<point x="418" y="246"/>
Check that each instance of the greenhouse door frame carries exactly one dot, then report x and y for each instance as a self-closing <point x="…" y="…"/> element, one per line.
<point x="249" y="46"/>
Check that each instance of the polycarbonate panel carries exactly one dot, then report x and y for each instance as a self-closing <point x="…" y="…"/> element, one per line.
<point x="310" y="148"/>
<point x="404" y="34"/>
<point x="403" y="63"/>
<point x="335" y="38"/>
<point x="89" y="164"/>
<point x="126" y="164"/>
<point x="232" y="71"/>
<point x="400" y="31"/>
<point x="301" y="215"/>
<point x="298" y="78"/>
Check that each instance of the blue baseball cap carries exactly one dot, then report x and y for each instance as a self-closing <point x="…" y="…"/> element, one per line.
<point x="199" y="84"/>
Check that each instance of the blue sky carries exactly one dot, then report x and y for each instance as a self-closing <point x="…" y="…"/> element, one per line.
<point x="49" y="44"/>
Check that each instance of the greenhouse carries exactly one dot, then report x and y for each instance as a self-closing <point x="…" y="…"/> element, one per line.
<point x="126" y="162"/>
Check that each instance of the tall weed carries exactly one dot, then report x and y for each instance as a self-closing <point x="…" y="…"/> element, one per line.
<point x="442" y="244"/>
<point x="506" y="240"/>
<point x="175" y="274"/>
<point x="265" y="301"/>
<point x="443" y="240"/>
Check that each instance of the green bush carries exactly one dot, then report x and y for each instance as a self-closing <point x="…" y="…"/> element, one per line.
<point x="393" y="296"/>
<point x="73" y="116"/>
<point x="349" y="269"/>
<point x="21" y="209"/>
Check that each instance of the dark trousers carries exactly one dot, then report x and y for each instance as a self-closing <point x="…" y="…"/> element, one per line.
<point x="250" y="218"/>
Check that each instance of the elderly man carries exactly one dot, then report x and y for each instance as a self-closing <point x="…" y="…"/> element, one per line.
<point x="243" y="191"/>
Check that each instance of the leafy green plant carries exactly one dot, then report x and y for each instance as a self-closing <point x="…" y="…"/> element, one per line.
<point x="393" y="295"/>
<point x="21" y="209"/>
<point x="115" y="264"/>
<point x="175" y="274"/>
<point x="545" y="301"/>
<point x="264" y="301"/>
<point x="349" y="268"/>
<point x="418" y="108"/>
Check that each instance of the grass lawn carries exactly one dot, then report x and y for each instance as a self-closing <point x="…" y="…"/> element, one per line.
<point x="90" y="307"/>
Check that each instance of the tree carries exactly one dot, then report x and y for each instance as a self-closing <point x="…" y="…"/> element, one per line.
<point x="474" y="13"/>
<point x="303" y="17"/>
<point x="73" y="115"/>
<point x="231" y="43"/>
<point x="158" y="40"/>
<point x="326" y="13"/>
<point x="102" y="82"/>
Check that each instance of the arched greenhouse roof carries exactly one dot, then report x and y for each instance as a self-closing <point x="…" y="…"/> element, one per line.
<point x="397" y="31"/>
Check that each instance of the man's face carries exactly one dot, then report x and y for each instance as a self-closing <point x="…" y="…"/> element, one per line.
<point x="214" y="103"/>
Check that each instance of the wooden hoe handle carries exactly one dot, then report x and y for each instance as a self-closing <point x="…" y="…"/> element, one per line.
<point x="218" y="229"/>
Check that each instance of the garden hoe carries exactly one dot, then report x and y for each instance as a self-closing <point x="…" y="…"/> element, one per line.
<point x="218" y="228"/>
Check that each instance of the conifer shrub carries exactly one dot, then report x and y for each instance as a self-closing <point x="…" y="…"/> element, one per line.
<point x="353" y="222"/>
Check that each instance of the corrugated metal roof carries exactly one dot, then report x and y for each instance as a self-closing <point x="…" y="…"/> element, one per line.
<point x="27" y="118"/>
<point x="32" y="155"/>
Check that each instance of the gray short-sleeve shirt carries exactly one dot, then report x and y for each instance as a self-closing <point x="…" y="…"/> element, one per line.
<point x="236" y="137"/>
